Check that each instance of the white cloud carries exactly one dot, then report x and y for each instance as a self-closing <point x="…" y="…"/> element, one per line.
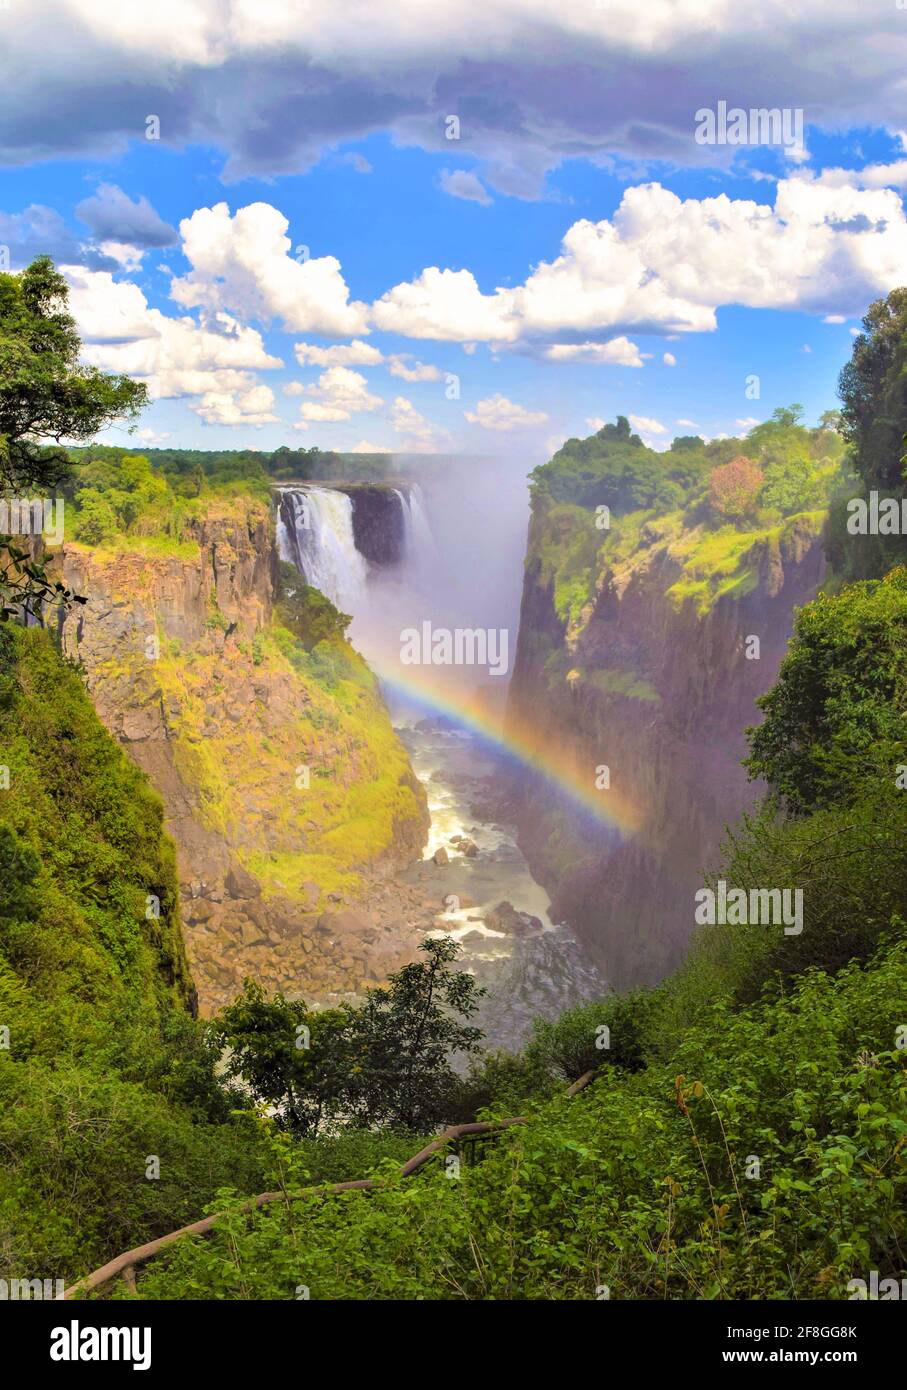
<point x="253" y="406"/>
<point x="444" y="304"/>
<point x="666" y="264"/>
<point x="399" y="365"/>
<point x="361" y="354"/>
<point x="747" y="423"/>
<point x="644" y="424"/>
<point x="151" y="437"/>
<point x="688" y="424"/>
<point x="595" y="423"/>
<point x="669" y="359"/>
<point x="365" y="447"/>
<point x="174" y="356"/>
<point x="619" y="351"/>
<point x="354" y="354"/>
<point x="243" y="264"/>
<point x="408" y="422"/>
<point x="498" y="413"/>
<point x="462" y="184"/>
<point x="339" y="394"/>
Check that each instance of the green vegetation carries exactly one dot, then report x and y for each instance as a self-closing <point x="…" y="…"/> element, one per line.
<point x="837" y="711"/>
<point x="45" y="392"/>
<point x="645" y="1182"/>
<point x="713" y="509"/>
<point x="384" y="1063"/>
<point x="873" y="391"/>
<point x="105" y="1065"/>
<point x="745" y="1136"/>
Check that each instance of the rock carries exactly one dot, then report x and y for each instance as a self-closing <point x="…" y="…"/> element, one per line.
<point x="198" y="910"/>
<point x="250" y="934"/>
<point x="239" y="883"/>
<point x="469" y="848"/>
<point x="505" y="918"/>
<point x="349" y="923"/>
<point x="441" y="856"/>
<point x="472" y="938"/>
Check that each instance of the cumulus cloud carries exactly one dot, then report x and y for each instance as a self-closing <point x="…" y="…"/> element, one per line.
<point x="151" y="437"/>
<point x="366" y="447"/>
<point x="669" y="359"/>
<point x="460" y="183"/>
<point x="252" y="406"/>
<point x="619" y="351"/>
<point x="644" y="424"/>
<point x="113" y="216"/>
<point x="173" y="356"/>
<point x="272" y="83"/>
<point x="666" y="264"/>
<point x="243" y="264"/>
<point x="417" y="431"/>
<point x="340" y="393"/>
<point x="354" y="354"/>
<point x="404" y="366"/>
<point x="498" y="413"/>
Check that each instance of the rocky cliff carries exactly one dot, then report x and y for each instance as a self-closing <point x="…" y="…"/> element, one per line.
<point x="288" y="795"/>
<point x="654" y="677"/>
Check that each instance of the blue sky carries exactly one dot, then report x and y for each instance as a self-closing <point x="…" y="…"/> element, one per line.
<point x="591" y="258"/>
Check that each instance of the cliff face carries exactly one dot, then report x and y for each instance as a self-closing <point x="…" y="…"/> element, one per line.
<point x="287" y="793"/>
<point x="657" y="686"/>
<point x="378" y="526"/>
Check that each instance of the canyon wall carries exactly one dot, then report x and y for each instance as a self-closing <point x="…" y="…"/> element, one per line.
<point x="289" y="797"/>
<point x="655" y="685"/>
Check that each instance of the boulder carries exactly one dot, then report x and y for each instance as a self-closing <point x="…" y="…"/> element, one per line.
<point x="239" y="883"/>
<point x="441" y="856"/>
<point x="505" y="918"/>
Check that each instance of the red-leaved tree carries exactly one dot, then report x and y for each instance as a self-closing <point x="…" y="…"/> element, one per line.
<point x="734" y="486"/>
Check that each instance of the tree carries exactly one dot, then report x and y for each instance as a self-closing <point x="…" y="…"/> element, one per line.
<point x="45" y="393"/>
<point x="873" y="391"/>
<point x="734" y="487"/>
<point x="403" y="1038"/>
<point x="290" y="1057"/>
<point x="308" y="614"/>
<point x="837" y="709"/>
<point x="385" y="1062"/>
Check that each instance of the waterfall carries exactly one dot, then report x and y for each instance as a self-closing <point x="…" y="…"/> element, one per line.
<point x="418" y="539"/>
<point x="315" y="533"/>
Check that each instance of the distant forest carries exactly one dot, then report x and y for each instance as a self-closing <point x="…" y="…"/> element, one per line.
<point x="188" y="471"/>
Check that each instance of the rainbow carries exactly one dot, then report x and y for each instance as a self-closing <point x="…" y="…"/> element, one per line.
<point x="520" y="743"/>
